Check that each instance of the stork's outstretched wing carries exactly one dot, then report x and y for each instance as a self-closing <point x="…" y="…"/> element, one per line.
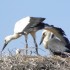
<point x="55" y="30"/>
<point x="58" y="32"/>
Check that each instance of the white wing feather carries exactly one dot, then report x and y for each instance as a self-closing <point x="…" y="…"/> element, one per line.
<point x="21" y="24"/>
<point x="25" y="23"/>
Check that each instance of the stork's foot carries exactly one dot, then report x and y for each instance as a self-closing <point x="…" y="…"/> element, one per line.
<point x="37" y="51"/>
<point x="38" y="54"/>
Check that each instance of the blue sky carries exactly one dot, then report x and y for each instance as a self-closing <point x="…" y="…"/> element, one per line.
<point x="56" y="12"/>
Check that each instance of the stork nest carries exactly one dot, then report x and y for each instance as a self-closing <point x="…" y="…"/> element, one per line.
<point x="19" y="62"/>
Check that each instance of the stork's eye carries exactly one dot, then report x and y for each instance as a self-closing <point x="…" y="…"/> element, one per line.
<point x="44" y="34"/>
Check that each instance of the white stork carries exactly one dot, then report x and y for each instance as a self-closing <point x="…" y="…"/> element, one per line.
<point x="24" y="27"/>
<point x="54" y="44"/>
<point x="31" y="25"/>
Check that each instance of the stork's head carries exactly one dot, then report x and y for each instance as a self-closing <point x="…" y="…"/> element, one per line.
<point x="45" y="35"/>
<point x="6" y="41"/>
<point x="9" y="38"/>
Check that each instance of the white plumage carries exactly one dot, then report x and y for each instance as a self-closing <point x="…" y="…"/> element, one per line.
<point x="21" y="24"/>
<point x="23" y="27"/>
<point x="25" y="23"/>
<point x="55" y="45"/>
<point x="31" y="25"/>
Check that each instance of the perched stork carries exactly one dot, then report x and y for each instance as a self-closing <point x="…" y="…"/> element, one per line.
<point x="32" y="25"/>
<point x="54" y="44"/>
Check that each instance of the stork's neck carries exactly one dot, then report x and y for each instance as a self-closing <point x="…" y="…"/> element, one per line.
<point x="46" y="39"/>
<point x="14" y="36"/>
<point x="48" y="36"/>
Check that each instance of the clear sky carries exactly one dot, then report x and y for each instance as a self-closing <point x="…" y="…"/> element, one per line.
<point x="56" y="12"/>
